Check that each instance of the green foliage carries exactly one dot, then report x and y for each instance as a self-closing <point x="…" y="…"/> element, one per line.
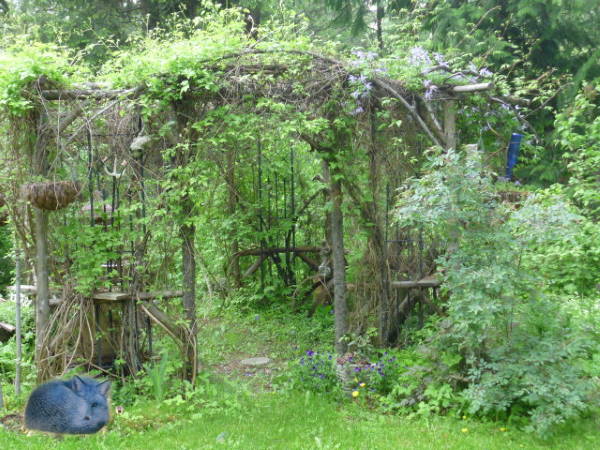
<point x="8" y="349"/>
<point x="87" y="266"/>
<point x="569" y="266"/>
<point x="23" y="63"/>
<point x="537" y="372"/>
<point x="507" y="331"/>
<point x="6" y="266"/>
<point x="578" y="130"/>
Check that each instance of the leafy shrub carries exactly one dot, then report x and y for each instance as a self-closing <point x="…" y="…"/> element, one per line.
<point x="519" y="356"/>
<point x="578" y="131"/>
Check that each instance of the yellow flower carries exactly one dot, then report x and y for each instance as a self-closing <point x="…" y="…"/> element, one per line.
<point x="464" y="417"/>
<point x="502" y="429"/>
<point x="362" y="384"/>
<point x="465" y="430"/>
<point x="355" y="394"/>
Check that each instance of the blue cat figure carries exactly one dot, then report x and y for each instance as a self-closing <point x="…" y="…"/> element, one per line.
<point x="75" y="406"/>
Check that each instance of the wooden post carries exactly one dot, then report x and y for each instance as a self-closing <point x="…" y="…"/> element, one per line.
<point x="450" y="123"/>
<point x="18" y="318"/>
<point x="40" y="165"/>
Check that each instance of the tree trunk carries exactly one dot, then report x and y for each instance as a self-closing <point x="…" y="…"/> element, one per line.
<point x="339" y="264"/>
<point x="187" y="233"/>
<point x="379" y="19"/>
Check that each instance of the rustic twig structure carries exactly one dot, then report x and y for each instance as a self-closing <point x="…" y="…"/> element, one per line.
<point x="99" y="135"/>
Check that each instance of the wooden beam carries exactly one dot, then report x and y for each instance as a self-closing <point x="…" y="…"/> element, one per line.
<point x="111" y="296"/>
<point x="423" y="283"/>
<point x="473" y="87"/>
<point x="123" y="296"/>
<point x="314" y="265"/>
<point x="8" y="327"/>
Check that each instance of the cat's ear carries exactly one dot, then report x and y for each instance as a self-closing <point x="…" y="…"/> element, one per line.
<point x="77" y="384"/>
<point x="104" y="387"/>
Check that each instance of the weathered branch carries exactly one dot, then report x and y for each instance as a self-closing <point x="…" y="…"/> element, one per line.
<point x="411" y="109"/>
<point x="314" y="265"/>
<point x="254" y="267"/>
<point x="73" y="94"/>
<point x="99" y="112"/>
<point x="270" y="251"/>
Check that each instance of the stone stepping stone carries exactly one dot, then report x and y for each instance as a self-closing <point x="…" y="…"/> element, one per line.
<point x="255" y="362"/>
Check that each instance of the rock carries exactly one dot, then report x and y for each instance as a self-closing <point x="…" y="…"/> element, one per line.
<point x="258" y="361"/>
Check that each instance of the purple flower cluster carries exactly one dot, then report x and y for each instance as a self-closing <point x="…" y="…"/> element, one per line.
<point x="441" y="61"/>
<point x="418" y="56"/>
<point x="316" y="365"/>
<point x="376" y="367"/>
<point x="378" y="376"/>
<point x="361" y="93"/>
<point x="362" y="86"/>
<point x="364" y="56"/>
<point x="485" y="72"/>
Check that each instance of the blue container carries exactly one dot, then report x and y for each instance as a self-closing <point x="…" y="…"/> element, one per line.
<point x="512" y="155"/>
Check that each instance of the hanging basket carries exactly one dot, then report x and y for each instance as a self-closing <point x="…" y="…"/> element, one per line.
<point x="51" y="195"/>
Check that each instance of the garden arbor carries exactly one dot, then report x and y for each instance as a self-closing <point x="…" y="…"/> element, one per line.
<point x="109" y="183"/>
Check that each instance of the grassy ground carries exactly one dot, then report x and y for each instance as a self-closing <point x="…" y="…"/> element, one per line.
<point x="300" y="421"/>
<point x="240" y="407"/>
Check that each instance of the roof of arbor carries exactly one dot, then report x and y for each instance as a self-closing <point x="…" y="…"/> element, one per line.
<point x="208" y="66"/>
<point x="246" y="74"/>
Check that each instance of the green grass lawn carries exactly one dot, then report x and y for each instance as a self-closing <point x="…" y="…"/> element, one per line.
<point x="240" y="408"/>
<point x="299" y="421"/>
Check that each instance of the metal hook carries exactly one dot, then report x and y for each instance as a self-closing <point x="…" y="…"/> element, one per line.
<point x="114" y="173"/>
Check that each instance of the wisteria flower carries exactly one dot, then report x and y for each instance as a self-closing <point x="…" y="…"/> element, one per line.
<point x="485" y="72"/>
<point x="440" y="60"/>
<point x="430" y="89"/>
<point x="418" y="56"/>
